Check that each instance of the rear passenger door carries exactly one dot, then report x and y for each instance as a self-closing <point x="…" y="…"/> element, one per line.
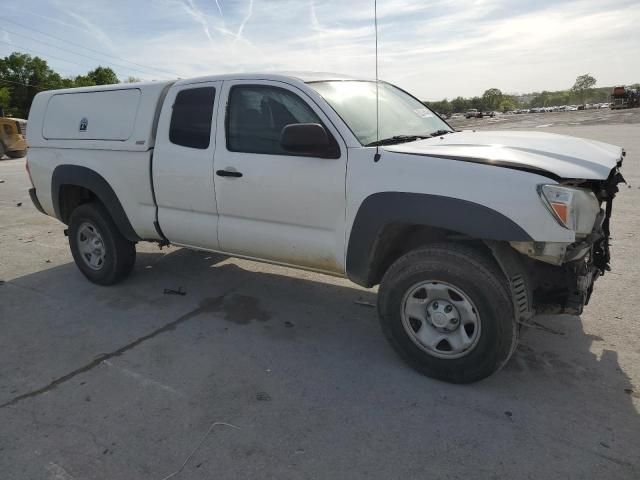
<point x="183" y="165"/>
<point x="274" y="205"/>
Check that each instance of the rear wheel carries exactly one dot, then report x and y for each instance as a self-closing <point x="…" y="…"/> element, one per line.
<point x="100" y="251"/>
<point x="447" y="310"/>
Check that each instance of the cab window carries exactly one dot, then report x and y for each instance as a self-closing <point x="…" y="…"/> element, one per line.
<point x="257" y="114"/>
<point x="191" y="117"/>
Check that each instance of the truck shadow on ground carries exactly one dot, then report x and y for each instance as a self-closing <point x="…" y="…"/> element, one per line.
<point x="331" y="329"/>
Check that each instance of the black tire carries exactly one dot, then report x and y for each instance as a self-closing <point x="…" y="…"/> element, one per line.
<point x="17" y="153"/>
<point x="475" y="274"/>
<point x="119" y="253"/>
<point x="2" y="150"/>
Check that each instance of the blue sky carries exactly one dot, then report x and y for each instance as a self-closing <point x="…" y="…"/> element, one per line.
<point x="433" y="48"/>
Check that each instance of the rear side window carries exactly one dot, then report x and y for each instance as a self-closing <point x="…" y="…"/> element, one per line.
<point x="191" y="117"/>
<point x="257" y="115"/>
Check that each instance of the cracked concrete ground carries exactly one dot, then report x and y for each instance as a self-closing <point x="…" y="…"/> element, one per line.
<point x="126" y="382"/>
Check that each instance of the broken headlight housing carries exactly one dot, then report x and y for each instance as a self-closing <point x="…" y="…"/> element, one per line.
<point x="574" y="208"/>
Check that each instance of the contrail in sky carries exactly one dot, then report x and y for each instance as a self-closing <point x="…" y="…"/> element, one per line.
<point x="219" y="9"/>
<point x="246" y="19"/>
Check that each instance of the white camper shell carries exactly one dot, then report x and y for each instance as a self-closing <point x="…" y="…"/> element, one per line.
<point x="109" y="117"/>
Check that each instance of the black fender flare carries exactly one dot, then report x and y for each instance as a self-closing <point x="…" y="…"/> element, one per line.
<point x="401" y="208"/>
<point x="93" y="181"/>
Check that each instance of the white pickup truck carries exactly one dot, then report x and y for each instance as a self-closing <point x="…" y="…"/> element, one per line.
<point x="467" y="233"/>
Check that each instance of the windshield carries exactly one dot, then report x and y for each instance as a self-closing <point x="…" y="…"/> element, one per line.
<point x="400" y="113"/>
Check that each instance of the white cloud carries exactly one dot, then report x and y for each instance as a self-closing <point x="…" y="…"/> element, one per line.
<point x="436" y="49"/>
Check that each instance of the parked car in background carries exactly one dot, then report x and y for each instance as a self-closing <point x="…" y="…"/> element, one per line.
<point x="12" y="142"/>
<point x="473" y="113"/>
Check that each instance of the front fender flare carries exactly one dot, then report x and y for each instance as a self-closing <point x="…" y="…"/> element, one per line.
<point x="401" y="208"/>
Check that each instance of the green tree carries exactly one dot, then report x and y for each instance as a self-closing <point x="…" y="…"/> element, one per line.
<point x="442" y="107"/>
<point x="103" y="76"/>
<point x="508" y="103"/>
<point x="26" y="76"/>
<point x="132" y="79"/>
<point x="83" y="81"/>
<point x="477" y="103"/>
<point x="459" y="105"/>
<point x="583" y="85"/>
<point x="5" y="99"/>
<point x="492" y="99"/>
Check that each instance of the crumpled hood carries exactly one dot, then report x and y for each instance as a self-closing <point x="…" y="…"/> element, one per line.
<point x="559" y="155"/>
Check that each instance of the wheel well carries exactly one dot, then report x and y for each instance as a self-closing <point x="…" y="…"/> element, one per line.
<point x="398" y="239"/>
<point x="71" y="197"/>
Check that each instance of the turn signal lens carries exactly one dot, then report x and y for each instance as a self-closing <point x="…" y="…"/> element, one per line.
<point x="561" y="210"/>
<point x="575" y="208"/>
<point x="559" y="200"/>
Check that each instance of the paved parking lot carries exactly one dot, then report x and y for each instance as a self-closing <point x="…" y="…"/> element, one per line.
<point x="269" y="373"/>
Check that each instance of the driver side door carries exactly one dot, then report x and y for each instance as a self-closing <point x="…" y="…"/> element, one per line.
<point x="273" y="205"/>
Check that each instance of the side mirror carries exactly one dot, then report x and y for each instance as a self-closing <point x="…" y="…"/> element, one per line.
<point x="308" y="139"/>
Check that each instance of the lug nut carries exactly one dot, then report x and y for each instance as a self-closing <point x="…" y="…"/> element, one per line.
<point x="448" y="308"/>
<point x="454" y="320"/>
<point x="435" y="305"/>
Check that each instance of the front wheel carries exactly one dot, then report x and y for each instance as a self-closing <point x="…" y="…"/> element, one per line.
<point x="446" y="309"/>
<point x="100" y="251"/>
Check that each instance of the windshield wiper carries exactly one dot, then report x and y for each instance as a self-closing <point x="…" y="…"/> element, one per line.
<point x="397" y="139"/>
<point x="437" y="133"/>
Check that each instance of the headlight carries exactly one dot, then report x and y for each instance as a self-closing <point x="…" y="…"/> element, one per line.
<point x="574" y="208"/>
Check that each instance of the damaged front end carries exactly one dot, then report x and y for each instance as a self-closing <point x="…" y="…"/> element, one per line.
<point x="562" y="276"/>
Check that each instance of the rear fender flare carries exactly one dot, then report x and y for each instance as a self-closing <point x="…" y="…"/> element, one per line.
<point x="93" y="181"/>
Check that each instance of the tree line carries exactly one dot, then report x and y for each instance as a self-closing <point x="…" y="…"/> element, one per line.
<point x="583" y="91"/>
<point x="23" y="76"/>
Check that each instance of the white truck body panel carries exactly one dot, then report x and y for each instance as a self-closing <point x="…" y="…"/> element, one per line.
<point x="133" y="188"/>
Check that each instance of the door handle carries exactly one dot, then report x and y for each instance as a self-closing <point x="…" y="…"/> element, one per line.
<point x="228" y="173"/>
